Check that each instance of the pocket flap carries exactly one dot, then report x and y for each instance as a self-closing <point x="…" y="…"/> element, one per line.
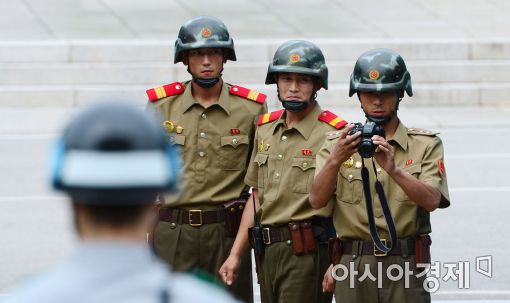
<point x="351" y="174"/>
<point x="413" y="169"/>
<point x="261" y="159"/>
<point x="303" y="162"/>
<point x="234" y="141"/>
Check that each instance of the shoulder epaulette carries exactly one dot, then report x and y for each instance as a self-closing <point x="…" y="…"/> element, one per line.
<point x="421" y="131"/>
<point x="165" y="91"/>
<point x="270" y="117"/>
<point x="248" y="94"/>
<point x="332" y="119"/>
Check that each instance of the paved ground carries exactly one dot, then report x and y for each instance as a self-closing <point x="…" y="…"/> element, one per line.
<point x="128" y="19"/>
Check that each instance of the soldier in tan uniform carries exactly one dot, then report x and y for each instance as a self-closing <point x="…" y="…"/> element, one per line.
<point x="214" y="124"/>
<point x="281" y="170"/>
<point x="408" y="163"/>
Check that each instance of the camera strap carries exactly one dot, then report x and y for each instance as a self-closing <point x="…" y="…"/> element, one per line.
<point x="370" y="210"/>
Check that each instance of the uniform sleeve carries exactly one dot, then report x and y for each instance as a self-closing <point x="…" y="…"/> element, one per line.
<point x="323" y="155"/>
<point x="251" y="178"/>
<point x="433" y="172"/>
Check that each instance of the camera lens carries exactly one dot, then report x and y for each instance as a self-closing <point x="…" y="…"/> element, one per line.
<point x="366" y="148"/>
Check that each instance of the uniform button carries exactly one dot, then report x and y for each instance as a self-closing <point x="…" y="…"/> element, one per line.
<point x="202" y="134"/>
<point x="241" y="207"/>
<point x="284" y="138"/>
<point x="379" y="170"/>
<point x="289" y="242"/>
<point x="280" y="157"/>
<point x="234" y="141"/>
<point x="349" y="177"/>
<point x="201" y="154"/>
<point x="204" y="116"/>
<point x="305" y="164"/>
<point x="277" y="175"/>
<point x="173" y="225"/>
<point x="232" y="209"/>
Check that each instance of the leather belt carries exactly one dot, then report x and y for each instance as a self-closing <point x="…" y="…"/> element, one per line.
<point x="351" y="247"/>
<point x="275" y="234"/>
<point x="193" y="217"/>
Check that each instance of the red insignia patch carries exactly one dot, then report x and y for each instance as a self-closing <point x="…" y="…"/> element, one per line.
<point x="235" y="131"/>
<point x="307" y="152"/>
<point x="373" y="74"/>
<point x="440" y="163"/>
<point x="408" y="162"/>
<point x="206" y="33"/>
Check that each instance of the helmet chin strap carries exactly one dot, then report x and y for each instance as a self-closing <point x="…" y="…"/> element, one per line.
<point x="206" y="83"/>
<point x="297" y="106"/>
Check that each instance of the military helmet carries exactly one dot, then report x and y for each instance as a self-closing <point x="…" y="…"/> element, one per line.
<point x="380" y="70"/>
<point x="298" y="56"/>
<point x="113" y="153"/>
<point x="202" y="32"/>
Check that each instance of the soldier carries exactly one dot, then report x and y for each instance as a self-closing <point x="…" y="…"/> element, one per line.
<point x="112" y="161"/>
<point x="408" y="163"/>
<point x="280" y="174"/>
<point x="214" y="123"/>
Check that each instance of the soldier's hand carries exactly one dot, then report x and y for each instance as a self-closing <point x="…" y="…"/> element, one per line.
<point x="228" y="271"/>
<point x="346" y="145"/>
<point x="328" y="283"/>
<point x="385" y="154"/>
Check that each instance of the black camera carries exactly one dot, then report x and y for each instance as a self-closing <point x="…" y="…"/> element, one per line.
<point x="366" y="147"/>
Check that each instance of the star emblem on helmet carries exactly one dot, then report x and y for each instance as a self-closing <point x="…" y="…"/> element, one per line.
<point x="294" y="58"/>
<point x="206" y="32"/>
<point x="373" y="74"/>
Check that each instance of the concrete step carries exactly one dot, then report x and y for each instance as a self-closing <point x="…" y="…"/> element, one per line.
<point x="249" y="50"/>
<point x="71" y="96"/>
<point x="155" y="73"/>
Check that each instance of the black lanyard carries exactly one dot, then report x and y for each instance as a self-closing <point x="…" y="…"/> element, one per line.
<point x="370" y="210"/>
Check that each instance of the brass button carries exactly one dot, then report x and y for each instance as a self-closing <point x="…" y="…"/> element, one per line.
<point x="232" y="209"/>
<point x="289" y="242"/>
<point x="204" y="116"/>
<point x="201" y="154"/>
<point x="241" y="207"/>
<point x="280" y="157"/>
<point x="173" y="225"/>
<point x="349" y="177"/>
<point x="234" y="141"/>
<point x="202" y="134"/>
<point x="277" y="175"/>
<point x="379" y="170"/>
<point x="284" y="138"/>
<point x="305" y="164"/>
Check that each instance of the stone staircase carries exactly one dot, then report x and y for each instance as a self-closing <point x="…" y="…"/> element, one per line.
<point x="72" y="73"/>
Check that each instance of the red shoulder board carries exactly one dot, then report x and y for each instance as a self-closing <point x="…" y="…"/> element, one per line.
<point x="165" y="91"/>
<point x="270" y="117"/>
<point x="248" y="94"/>
<point x="332" y="119"/>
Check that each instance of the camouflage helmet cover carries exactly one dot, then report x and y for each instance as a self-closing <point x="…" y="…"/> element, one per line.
<point x="301" y="57"/>
<point x="379" y="70"/>
<point x="202" y="32"/>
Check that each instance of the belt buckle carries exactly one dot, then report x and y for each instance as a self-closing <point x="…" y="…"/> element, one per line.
<point x="190" y="217"/>
<point x="379" y="253"/>
<point x="266" y="236"/>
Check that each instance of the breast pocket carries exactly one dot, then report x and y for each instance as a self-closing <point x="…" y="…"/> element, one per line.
<point x="413" y="170"/>
<point x="350" y="189"/>
<point x="302" y="172"/>
<point x="234" y="152"/>
<point x="261" y="161"/>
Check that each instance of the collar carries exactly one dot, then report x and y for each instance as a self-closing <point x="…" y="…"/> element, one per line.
<point x="400" y="136"/>
<point x="305" y="126"/>
<point x="223" y="100"/>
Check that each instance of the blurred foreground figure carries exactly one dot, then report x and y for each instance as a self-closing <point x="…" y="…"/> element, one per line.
<point x="113" y="160"/>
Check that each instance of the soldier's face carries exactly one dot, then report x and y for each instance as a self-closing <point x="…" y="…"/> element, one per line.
<point x="205" y="63"/>
<point x="295" y="87"/>
<point x="378" y="104"/>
